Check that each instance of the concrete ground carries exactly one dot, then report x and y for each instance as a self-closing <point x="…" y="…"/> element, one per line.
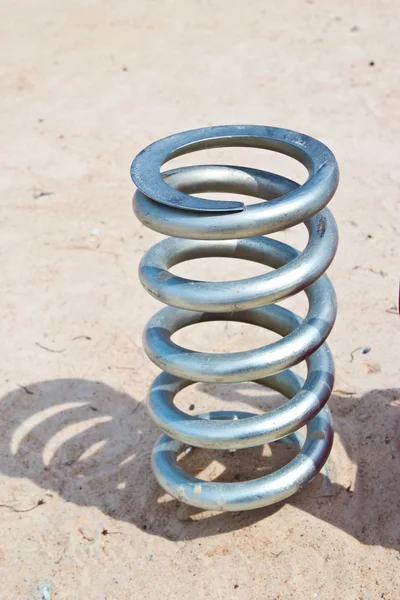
<point x="85" y="86"/>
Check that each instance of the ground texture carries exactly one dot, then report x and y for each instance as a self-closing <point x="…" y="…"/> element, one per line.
<point x="85" y="86"/>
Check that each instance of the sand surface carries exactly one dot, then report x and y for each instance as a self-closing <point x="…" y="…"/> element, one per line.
<point x="85" y="86"/>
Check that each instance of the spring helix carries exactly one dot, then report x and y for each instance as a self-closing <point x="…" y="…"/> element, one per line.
<point x="200" y="227"/>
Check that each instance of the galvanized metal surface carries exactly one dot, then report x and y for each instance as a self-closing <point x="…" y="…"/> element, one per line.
<point x="204" y="228"/>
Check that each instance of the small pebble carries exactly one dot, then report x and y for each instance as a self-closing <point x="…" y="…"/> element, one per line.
<point x="45" y="590"/>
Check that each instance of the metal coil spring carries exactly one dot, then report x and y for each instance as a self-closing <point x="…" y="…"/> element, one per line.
<point x="201" y="227"/>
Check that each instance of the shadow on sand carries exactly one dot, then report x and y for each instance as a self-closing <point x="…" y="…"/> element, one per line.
<point x="92" y="445"/>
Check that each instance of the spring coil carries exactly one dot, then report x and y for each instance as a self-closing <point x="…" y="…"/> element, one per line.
<point x="201" y="227"/>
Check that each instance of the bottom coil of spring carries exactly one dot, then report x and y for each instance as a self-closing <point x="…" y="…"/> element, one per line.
<point x="237" y="430"/>
<point x="251" y="494"/>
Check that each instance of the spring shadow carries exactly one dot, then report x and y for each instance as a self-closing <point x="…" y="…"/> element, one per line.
<point x="92" y="445"/>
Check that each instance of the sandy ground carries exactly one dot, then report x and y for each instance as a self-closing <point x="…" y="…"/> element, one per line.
<point x="85" y="86"/>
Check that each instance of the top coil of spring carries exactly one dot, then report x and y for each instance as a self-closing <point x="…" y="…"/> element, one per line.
<point x="163" y="203"/>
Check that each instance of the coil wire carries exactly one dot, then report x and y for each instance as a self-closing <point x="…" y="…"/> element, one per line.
<point x="211" y="228"/>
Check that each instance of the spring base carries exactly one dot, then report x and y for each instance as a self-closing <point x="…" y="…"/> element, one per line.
<point x="250" y="494"/>
<point x="200" y="228"/>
